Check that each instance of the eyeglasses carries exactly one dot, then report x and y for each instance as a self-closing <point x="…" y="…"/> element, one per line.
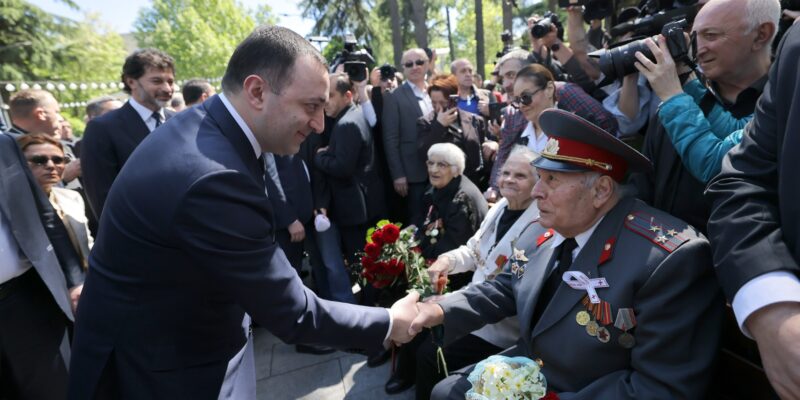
<point x="410" y="64"/>
<point x="437" y="164"/>
<point x="41" y="160"/>
<point x="525" y="100"/>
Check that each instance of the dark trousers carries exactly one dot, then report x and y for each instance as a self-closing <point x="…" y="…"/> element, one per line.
<point x="34" y="347"/>
<point x="353" y="240"/>
<point x="293" y="251"/>
<point x="463" y="352"/>
<point x="416" y="190"/>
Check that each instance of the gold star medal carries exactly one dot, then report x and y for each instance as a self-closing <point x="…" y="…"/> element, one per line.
<point x="582" y="318"/>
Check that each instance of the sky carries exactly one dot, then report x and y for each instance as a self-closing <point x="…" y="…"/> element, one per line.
<point x="121" y="14"/>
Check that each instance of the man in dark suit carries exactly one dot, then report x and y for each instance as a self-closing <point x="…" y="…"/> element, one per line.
<point x="348" y="163"/>
<point x="649" y="330"/>
<point x="755" y="223"/>
<point x="40" y="283"/>
<point x="401" y="109"/>
<point x="109" y="140"/>
<point x="186" y="246"/>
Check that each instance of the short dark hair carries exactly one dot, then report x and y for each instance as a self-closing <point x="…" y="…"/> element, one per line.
<point x="95" y="106"/>
<point x="137" y="63"/>
<point x="269" y="52"/>
<point x="193" y="89"/>
<point x="31" y="139"/>
<point x="22" y="103"/>
<point x="342" y="82"/>
<point x="538" y="74"/>
<point x="445" y="83"/>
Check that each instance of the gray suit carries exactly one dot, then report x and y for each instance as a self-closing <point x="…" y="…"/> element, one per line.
<point x="400" y="113"/>
<point x="670" y="286"/>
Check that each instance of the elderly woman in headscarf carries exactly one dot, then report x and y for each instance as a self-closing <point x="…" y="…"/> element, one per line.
<point x="505" y="235"/>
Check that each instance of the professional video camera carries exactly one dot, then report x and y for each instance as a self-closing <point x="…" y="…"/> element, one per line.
<point x="543" y="26"/>
<point x="652" y="24"/>
<point x="508" y="44"/>
<point x="355" y="61"/>
<point x="617" y="62"/>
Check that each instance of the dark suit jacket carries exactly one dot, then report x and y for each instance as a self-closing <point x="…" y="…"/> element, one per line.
<point x="671" y="288"/>
<point x="186" y="247"/>
<point x="400" y="113"/>
<point x="36" y="227"/>
<point x="296" y="204"/>
<point x="108" y="142"/>
<point x="349" y="167"/>
<point x="755" y="222"/>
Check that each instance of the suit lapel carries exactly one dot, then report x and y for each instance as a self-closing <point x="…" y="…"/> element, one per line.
<point x="133" y="123"/>
<point x="565" y="298"/>
<point x="532" y="281"/>
<point x="234" y="133"/>
<point x="412" y="98"/>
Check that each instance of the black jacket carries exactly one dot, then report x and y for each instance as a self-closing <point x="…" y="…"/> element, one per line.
<point x="356" y="192"/>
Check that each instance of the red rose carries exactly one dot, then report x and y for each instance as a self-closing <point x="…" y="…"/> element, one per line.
<point x="377" y="237"/>
<point x="391" y="233"/>
<point x="550" y="396"/>
<point x="396" y="267"/>
<point x="367" y="263"/>
<point x="416" y="249"/>
<point x="372" y="249"/>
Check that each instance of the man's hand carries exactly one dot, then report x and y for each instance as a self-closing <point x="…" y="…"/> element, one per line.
<point x="483" y="107"/>
<point x="401" y="186"/>
<point x="662" y="75"/>
<point x="296" y="231"/>
<point x="776" y="328"/>
<point x="494" y="128"/>
<point x="489" y="149"/>
<point x="72" y="170"/>
<point x="403" y="311"/>
<point x="429" y="315"/>
<point x="447" y="117"/>
<point x="74" y="296"/>
<point x="361" y="89"/>
<point x="490" y="195"/>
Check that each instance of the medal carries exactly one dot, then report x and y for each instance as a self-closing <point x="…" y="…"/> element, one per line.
<point x="627" y="340"/>
<point x="433" y="240"/>
<point x="435" y="232"/>
<point x="582" y="318"/>
<point x="591" y="328"/>
<point x="603" y="335"/>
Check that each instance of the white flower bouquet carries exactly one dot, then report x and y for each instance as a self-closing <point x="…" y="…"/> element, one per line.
<point x="501" y="377"/>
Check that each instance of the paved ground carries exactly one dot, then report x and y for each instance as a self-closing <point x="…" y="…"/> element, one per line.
<point x="284" y="374"/>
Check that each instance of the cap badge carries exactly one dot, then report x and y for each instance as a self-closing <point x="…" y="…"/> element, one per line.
<point x="551" y="147"/>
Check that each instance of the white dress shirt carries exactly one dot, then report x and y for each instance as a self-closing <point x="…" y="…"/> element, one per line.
<point x="425" y="104"/>
<point x="581" y="239"/>
<point x="764" y="290"/>
<point x="146" y="114"/>
<point x="536" y="144"/>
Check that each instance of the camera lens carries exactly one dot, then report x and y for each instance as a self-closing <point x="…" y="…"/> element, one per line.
<point x="540" y="29"/>
<point x="618" y="62"/>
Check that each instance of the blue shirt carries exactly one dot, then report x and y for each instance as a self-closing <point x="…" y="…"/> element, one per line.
<point x="470" y="105"/>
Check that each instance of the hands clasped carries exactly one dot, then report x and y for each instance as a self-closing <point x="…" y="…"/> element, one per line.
<point x="409" y="316"/>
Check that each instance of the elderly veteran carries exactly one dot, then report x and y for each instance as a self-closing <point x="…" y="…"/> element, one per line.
<point x="505" y="235"/>
<point x="620" y="301"/>
<point x="453" y="207"/>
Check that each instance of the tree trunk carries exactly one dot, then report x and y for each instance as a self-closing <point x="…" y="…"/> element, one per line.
<point x="508" y="14"/>
<point x="397" y="33"/>
<point x="450" y="35"/>
<point x="420" y="28"/>
<point x="480" y="57"/>
<point x="552" y="5"/>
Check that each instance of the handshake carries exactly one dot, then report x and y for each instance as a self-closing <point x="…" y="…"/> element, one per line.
<point x="409" y="316"/>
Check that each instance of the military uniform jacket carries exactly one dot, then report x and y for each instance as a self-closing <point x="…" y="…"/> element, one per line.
<point x="653" y="263"/>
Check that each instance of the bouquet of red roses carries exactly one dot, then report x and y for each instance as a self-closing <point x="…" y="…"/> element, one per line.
<point x="391" y="258"/>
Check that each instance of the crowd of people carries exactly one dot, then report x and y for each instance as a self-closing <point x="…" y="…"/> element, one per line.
<point x="524" y="189"/>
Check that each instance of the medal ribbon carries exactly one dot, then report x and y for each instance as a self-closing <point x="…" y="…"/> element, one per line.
<point x="578" y="280"/>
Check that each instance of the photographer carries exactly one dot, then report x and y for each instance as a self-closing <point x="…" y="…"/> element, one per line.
<point x="733" y="50"/>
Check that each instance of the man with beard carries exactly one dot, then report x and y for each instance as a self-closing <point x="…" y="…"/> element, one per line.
<point x="148" y="75"/>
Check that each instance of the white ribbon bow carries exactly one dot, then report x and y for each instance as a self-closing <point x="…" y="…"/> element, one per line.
<point x="579" y="280"/>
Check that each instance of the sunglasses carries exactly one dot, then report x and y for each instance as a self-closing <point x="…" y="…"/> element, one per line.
<point x="42" y="160"/>
<point x="410" y="64"/>
<point x="525" y="100"/>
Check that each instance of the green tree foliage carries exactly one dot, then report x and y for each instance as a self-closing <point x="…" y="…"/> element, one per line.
<point x="200" y="34"/>
<point x="464" y="33"/>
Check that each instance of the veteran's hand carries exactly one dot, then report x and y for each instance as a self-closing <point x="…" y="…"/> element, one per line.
<point x="776" y="328"/>
<point x="430" y="315"/>
<point x="439" y="269"/>
<point x="403" y="312"/>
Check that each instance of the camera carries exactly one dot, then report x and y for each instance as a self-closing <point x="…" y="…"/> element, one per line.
<point x="495" y="110"/>
<point x="453" y="101"/>
<point x="388" y="72"/>
<point x="653" y="24"/>
<point x="355" y="61"/>
<point x="543" y="26"/>
<point x="508" y="44"/>
<point x="619" y="61"/>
